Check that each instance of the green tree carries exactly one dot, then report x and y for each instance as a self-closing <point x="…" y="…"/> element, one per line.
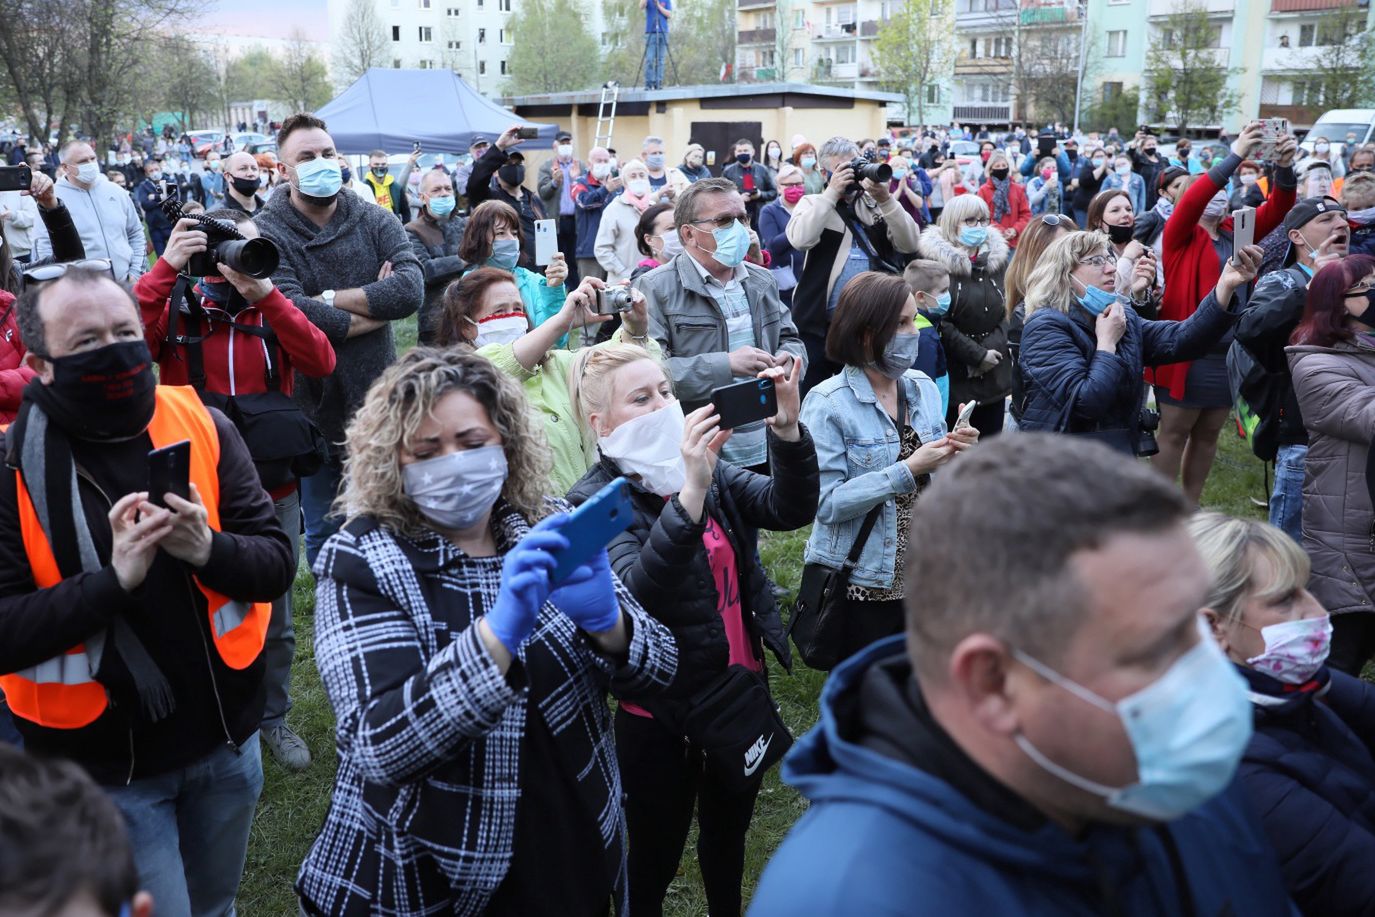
<point x="1119" y="111"/>
<point x="701" y="41"/>
<point x="302" y="77"/>
<point x="625" y="30"/>
<point x="252" y="75"/>
<point x="552" y="48"/>
<point x="1186" y="77"/>
<point x="1344" y="67"/>
<point x="186" y="74"/>
<point x="913" y="50"/>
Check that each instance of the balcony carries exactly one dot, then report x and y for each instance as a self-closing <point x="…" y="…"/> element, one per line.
<point x="1049" y="15"/>
<point x="757" y="37"/>
<point x="972" y="15"/>
<point x="1162" y="8"/>
<point x="824" y="70"/>
<point x="1309" y="6"/>
<point x="982" y="66"/>
<point x="1298" y="115"/>
<point x="868" y="28"/>
<point x="1290" y="60"/>
<point x="981" y="112"/>
<point x="843" y="32"/>
<point x="755" y="4"/>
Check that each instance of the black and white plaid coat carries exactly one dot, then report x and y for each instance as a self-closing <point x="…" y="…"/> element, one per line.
<point x="423" y="815"/>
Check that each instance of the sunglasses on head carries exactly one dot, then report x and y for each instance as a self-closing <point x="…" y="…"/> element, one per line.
<point x="45" y="273"/>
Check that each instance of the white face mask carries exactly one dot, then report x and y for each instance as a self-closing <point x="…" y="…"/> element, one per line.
<point x="638" y="186"/>
<point x="650" y="446"/>
<point x="501" y="329"/>
<point x="601" y="170"/>
<point x="87" y="172"/>
<point x="565" y="151"/>
<point x="673" y="246"/>
<point x="455" y="491"/>
<point x="1216" y="207"/>
<point x="1294" y="650"/>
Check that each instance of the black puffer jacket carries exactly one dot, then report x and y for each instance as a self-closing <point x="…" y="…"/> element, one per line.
<point x="977" y="321"/>
<point x="663" y="562"/>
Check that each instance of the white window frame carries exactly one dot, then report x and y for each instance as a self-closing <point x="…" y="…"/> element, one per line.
<point x="425" y="33"/>
<point x="1121" y="49"/>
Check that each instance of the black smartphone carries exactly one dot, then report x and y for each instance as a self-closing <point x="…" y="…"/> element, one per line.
<point x="16" y="178"/>
<point x="528" y="133"/>
<point x="592" y="525"/>
<point x="744" y="402"/>
<point x="169" y="472"/>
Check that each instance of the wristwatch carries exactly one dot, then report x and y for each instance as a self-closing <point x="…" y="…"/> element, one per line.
<point x="328" y="297"/>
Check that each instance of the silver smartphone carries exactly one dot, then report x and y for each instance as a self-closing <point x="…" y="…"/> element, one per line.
<point x="546" y="241"/>
<point x="1243" y="231"/>
<point x="966" y="412"/>
<point x="1271" y="131"/>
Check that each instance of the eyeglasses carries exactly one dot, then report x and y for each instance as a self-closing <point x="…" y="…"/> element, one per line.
<point x="976" y="221"/>
<point x="1053" y="219"/>
<point x="44" y="273"/>
<point x="721" y="222"/>
<point x="1104" y="260"/>
<point x="1359" y="289"/>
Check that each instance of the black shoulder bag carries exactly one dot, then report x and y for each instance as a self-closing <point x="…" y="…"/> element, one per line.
<point x="282" y="441"/>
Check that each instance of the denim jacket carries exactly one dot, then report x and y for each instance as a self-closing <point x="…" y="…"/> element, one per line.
<point x="857" y="447"/>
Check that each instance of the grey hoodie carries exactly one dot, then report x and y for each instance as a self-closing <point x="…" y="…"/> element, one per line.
<point x="109" y="223"/>
<point x="347" y="253"/>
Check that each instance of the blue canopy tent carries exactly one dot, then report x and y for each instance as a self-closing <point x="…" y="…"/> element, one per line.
<point x="391" y="109"/>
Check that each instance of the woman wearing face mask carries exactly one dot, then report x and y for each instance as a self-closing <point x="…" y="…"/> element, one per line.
<point x="1322" y="152"/>
<point x="617" y="245"/>
<point x="1332" y="362"/>
<point x="483" y="310"/>
<point x="492" y="239"/>
<point x="1308" y="770"/>
<point x="773" y="224"/>
<point x="1246" y="190"/>
<point x="1083" y="350"/>
<point x="1122" y="178"/>
<point x="690" y="555"/>
<point x="1111" y="214"/>
<point x="974" y="332"/>
<point x="804" y="157"/>
<point x="694" y="166"/>
<point x="1088" y="181"/>
<point x="773" y="156"/>
<point x="910" y="186"/>
<point x="879" y="433"/>
<point x="1006" y="199"/>
<point x="1195" y="399"/>
<point x="1040" y="233"/>
<point x="1043" y="190"/>
<point x="470" y="690"/>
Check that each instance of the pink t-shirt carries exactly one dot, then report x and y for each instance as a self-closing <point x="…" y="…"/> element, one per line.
<point x="726" y="573"/>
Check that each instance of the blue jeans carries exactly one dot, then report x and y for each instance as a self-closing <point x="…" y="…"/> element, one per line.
<point x="656" y="48"/>
<point x="281" y="633"/>
<point x="317" y="497"/>
<point x="189" y="829"/>
<point x="1286" y="502"/>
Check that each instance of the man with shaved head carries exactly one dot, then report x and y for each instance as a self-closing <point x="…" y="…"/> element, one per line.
<point x="435" y="235"/>
<point x="243" y="178"/>
<point x="105" y="215"/>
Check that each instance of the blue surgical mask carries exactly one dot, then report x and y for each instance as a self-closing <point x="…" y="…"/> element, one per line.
<point x="899" y="355"/>
<point x="1188" y="730"/>
<point x="441" y="206"/>
<point x="155" y="175"/>
<point x="1096" y="300"/>
<point x="319" y="178"/>
<point x="973" y="236"/>
<point x="655" y="160"/>
<point x="808" y="162"/>
<point x="505" y="254"/>
<point x="942" y="305"/>
<point x="899" y="174"/>
<point x="732" y="242"/>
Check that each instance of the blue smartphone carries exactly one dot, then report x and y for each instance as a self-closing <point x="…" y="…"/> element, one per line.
<point x="591" y="526"/>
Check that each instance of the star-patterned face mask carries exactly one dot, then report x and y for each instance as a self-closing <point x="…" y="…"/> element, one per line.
<point x="456" y="491"/>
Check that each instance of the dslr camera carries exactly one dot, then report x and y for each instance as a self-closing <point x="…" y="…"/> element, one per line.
<point x="225" y="245"/>
<point x="612" y="300"/>
<point x="1149" y="422"/>
<point x="866" y="165"/>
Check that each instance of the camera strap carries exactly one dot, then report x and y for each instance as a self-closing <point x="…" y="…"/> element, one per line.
<point x="859" y="232"/>
<point x="196" y="318"/>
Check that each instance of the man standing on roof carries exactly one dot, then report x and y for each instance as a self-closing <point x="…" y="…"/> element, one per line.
<point x="657" y="15"/>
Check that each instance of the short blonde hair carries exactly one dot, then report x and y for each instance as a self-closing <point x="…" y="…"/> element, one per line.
<point x="1049" y="285"/>
<point x="994" y="157"/>
<point x="1358" y="191"/>
<point x="589" y="379"/>
<point x="956" y="211"/>
<point x="1230" y="548"/>
<point x="400" y="401"/>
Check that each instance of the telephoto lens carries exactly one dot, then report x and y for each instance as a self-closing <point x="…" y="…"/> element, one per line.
<point x="254" y="257"/>
<point x="874" y="171"/>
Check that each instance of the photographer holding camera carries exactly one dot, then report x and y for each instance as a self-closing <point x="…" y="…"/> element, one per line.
<point x="854" y="226"/>
<point x="239" y="341"/>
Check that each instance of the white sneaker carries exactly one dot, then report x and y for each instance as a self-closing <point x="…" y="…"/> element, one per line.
<point x="287" y="747"/>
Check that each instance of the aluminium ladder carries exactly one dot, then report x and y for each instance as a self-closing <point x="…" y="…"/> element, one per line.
<point x="606" y="114"/>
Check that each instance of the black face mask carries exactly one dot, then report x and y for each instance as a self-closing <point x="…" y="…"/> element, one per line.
<point x="513" y="175"/>
<point x="1120" y="235"/>
<point x="102" y="394"/>
<point x="379" y="171"/>
<point x="998" y="174"/>
<point x="1368" y="316"/>
<point x="244" y="186"/>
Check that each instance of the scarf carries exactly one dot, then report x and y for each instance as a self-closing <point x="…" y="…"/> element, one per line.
<point x="1164" y="206"/>
<point x="1000" y="204"/>
<point x="49" y="472"/>
<point x="640" y="203"/>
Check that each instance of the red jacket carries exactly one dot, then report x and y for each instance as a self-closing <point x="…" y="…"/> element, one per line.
<point x="1018" y="212"/>
<point x="1191" y="265"/>
<point x="302" y="346"/>
<point x="14" y="375"/>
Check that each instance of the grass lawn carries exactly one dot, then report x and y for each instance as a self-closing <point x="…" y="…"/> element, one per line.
<point x="293" y="805"/>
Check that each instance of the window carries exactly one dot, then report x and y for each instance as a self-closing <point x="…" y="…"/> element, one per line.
<point x="799" y="57"/>
<point x="396" y="63"/>
<point x="933" y="93"/>
<point x="454" y="12"/>
<point x="503" y="68"/>
<point x="426" y="64"/>
<point x="1307" y="35"/>
<point x="455" y="45"/>
<point x="1308" y="93"/>
<point x="1002" y="47"/>
<point x="974" y="48"/>
<point x="504" y="5"/>
<point x="426" y="34"/>
<point x="1111" y="91"/>
<point x="846" y="15"/>
<point x="884" y="11"/>
<point x="482" y="67"/>
<point x="829" y="11"/>
<point x="480" y="4"/>
<point x="765" y="21"/>
<point x="1117" y="44"/>
<point x="766" y="57"/>
<point x="799" y="19"/>
<point x="396" y="4"/>
<point x="424" y="4"/>
<point x="482" y="36"/>
<point x="845" y="54"/>
<point x="502" y="37"/>
<point x="396" y="33"/>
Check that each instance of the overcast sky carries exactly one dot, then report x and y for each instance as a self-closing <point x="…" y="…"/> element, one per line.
<point x="269" y="18"/>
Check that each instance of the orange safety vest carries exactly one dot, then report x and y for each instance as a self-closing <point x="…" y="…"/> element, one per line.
<point x="60" y="693"/>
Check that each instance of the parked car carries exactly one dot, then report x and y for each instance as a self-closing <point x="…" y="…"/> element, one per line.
<point x="203" y="142"/>
<point x="246" y="139"/>
<point x="266" y="146"/>
<point x="1337" y="123"/>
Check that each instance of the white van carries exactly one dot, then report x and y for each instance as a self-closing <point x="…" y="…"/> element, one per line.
<point x="1337" y="123"/>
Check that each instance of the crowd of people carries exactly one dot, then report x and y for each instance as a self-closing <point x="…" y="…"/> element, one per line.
<point x="1057" y="685"/>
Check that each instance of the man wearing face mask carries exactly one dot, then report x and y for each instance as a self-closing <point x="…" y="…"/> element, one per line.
<point x="507" y="164"/>
<point x="754" y="180"/>
<point x="132" y="624"/>
<point x="665" y="180"/>
<point x="591" y="194"/>
<point x="212" y="181"/>
<point x="348" y="266"/>
<point x="719" y="318"/>
<point x="557" y="179"/>
<point x="149" y="193"/>
<point x="244" y="181"/>
<point x="1088" y="737"/>
<point x="849" y="228"/>
<point x="435" y="234"/>
<point x="106" y="217"/>
<point x="1318" y="233"/>
<point x="385" y="189"/>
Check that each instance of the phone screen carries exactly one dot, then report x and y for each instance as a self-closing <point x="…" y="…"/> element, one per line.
<point x="744" y="402"/>
<point x="169" y="471"/>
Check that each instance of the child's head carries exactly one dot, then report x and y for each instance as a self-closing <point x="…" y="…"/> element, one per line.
<point x="1358" y="191"/>
<point x="927" y="280"/>
<point x="63" y="847"/>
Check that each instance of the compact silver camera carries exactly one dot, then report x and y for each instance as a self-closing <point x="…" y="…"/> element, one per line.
<point x="612" y="300"/>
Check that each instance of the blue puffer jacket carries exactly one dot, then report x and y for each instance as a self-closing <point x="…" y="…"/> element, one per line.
<point x="1310" y="775"/>
<point x="1072" y="387"/>
<point x="885" y="837"/>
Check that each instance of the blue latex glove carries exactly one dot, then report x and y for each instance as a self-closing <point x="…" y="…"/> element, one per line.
<point x="588" y="596"/>
<point x="525" y="584"/>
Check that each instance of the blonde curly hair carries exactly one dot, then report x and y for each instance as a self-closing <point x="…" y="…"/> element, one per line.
<point x="400" y="401"/>
<point x="1049" y="285"/>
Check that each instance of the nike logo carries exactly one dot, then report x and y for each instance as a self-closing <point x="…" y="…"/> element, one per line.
<point x="754" y="755"/>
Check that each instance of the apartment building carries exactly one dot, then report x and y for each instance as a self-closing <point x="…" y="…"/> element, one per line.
<point x="470" y="37"/>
